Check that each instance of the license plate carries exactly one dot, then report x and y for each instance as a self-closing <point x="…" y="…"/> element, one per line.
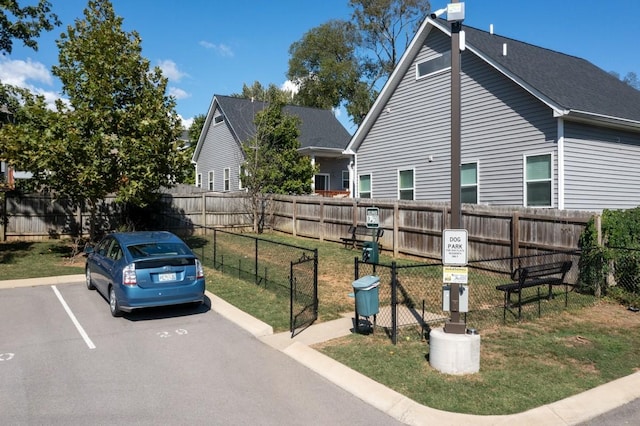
<point x="169" y="276"/>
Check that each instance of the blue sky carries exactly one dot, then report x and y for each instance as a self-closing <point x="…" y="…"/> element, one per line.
<point x="208" y="47"/>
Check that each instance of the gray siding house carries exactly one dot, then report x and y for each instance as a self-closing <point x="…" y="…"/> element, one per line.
<point x="539" y="128"/>
<point x="229" y="123"/>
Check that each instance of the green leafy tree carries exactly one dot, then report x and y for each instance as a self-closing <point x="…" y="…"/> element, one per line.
<point x="257" y="91"/>
<point x="386" y="27"/>
<point x="24" y="23"/>
<point x="346" y="63"/>
<point x="324" y="65"/>
<point x="119" y="133"/>
<point x="272" y="163"/>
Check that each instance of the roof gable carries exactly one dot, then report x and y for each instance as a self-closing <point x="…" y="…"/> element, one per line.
<point x="571" y="86"/>
<point x="319" y="128"/>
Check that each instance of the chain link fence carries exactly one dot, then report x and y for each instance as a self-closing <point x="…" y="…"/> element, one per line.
<point x="411" y="296"/>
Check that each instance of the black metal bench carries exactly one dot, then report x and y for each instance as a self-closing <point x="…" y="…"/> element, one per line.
<point x="360" y="233"/>
<point x="533" y="276"/>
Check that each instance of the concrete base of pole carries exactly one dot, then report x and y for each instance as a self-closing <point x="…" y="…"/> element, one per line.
<point x="454" y="353"/>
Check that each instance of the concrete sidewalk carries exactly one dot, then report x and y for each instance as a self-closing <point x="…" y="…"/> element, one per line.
<point x="569" y="411"/>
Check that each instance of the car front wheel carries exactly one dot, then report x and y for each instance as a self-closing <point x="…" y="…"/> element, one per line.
<point x="113" y="303"/>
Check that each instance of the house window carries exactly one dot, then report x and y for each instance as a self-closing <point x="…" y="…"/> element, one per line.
<point x="435" y="65"/>
<point x="364" y="186"/>
<point x="345" y="179"/>
<point x="218" y="119"/>
<point x="538" y="180"/>
<point x="405" y="184"/>
<point x="321" y="182"/>
<point x="469" y="183"/>
<point x="227" y="179"/>
<point x="210" y="181"/>
<point x="199" y="180"/>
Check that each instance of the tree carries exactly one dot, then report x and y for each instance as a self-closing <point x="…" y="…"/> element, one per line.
<point x="272" y="163"/>
<point x="342" y="63"/>
<point x="631" y="78"/>
<point x="270" y="94"/>
<point x="24" y="23"/>
<point x="120" y="132"/>
<point x="196" y="128"/>
<point x="324" y="65"/>
<point x="387" y="27"/>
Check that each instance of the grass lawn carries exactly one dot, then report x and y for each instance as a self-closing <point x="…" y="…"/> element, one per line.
<point x="22" y="259"/>
<point x="522" y="365"/>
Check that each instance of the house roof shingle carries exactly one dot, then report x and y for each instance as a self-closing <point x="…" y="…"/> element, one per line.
<point x="319" y="128"/>
<point x="574" y="87"/>
<point x="570" y="82"/>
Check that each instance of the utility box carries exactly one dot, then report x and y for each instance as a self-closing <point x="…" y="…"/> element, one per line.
<point x="463" y="300"/>
<point x="370" y="252"/>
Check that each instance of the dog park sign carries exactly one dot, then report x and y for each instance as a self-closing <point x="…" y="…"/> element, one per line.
<point x="454" y="247"/>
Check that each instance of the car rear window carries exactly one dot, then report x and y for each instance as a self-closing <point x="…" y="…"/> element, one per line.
<point x="139" y="251"/>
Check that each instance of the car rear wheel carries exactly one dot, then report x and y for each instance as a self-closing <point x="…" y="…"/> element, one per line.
<point x="90" y="285"/>
<point x="113" y="303"/>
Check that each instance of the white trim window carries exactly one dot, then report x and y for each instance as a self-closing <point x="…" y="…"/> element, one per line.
<point x="364" y="186"/>
<point x="406" y="184"/>
<point x="210" y="180"/>
<point x="218" y="119"/>
<point x="538" y="188"/>
<point x="199" y="180"/>
<point x="227" y="179"/>
<point x="469" y="183"/>
<point x="345" y="180"/>
<point x="434" y="65"/>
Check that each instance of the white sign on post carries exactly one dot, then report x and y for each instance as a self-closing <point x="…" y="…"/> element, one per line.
<point x="372" y="217"/>
<point x="454" y="247"/>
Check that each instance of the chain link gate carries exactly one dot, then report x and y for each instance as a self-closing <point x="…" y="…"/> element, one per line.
<point x="303" y="292"/>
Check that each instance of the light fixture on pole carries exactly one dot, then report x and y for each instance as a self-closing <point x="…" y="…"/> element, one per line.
<point x="455" y="16"/>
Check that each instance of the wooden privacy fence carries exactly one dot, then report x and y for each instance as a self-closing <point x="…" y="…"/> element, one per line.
<point x="410" y="227"/>
<point x="415" y="227"/>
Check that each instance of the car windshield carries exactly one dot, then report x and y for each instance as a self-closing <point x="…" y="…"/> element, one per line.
<point x="139" y="251"/>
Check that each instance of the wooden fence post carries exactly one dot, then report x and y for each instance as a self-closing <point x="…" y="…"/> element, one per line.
<point x="396" y="232"/>
<point x="515" y="235"/>
<point x="294" y="208"/>
<point x="321" y="230"/>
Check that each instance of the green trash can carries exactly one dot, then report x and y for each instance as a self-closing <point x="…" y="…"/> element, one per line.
<point x="370" y="252"/>
<point x="365" y="290"/>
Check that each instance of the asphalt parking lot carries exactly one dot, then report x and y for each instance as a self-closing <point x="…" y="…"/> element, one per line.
<point x="65" y="360"/>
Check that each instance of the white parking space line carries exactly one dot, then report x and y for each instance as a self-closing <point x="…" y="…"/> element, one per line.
<point x="75" y="321"/>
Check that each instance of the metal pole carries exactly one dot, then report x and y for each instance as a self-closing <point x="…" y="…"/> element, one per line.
<point x="455" y="326"/>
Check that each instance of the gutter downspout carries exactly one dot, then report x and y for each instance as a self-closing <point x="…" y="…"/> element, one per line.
<point x="560" y="164"/>
<point x="352" y="176"/>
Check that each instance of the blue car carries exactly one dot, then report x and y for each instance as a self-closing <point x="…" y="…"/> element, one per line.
<point x="144" y="269"/>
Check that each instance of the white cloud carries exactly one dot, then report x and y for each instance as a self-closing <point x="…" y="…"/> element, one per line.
<point x="19" y="73"/>
<point x="170" y="70"/>
<point x="29" y="75"/>
<point x="186" y="122"/>
<point x="290" y="86"/>
<point x="178" y="93"/>
<point x="221" y="49"/>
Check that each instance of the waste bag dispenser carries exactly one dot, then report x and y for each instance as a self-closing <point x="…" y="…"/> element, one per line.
<point x="370" y="252"/>
<point x="367" y="298"/>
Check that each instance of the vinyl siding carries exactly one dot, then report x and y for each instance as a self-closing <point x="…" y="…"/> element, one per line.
<point x="601" y="168"/>
<point x="501" y="123"/>
<point x="219" y="151"/>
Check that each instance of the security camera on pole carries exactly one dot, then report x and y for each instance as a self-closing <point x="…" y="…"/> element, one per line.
<point x="451" y="349"/>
